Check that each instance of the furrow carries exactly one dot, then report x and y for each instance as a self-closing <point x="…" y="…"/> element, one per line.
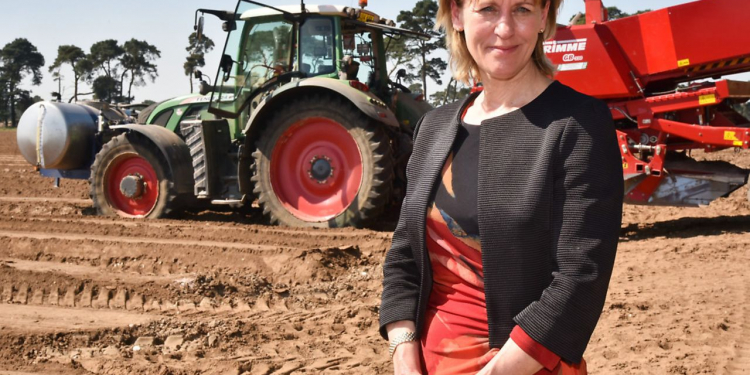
<point x="133" y="240"/>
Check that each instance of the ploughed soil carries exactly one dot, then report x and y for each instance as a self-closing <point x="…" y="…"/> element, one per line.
<point x="222" y="293"/>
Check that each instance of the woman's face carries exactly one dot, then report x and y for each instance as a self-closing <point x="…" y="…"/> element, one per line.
<point x="500" y="34"/>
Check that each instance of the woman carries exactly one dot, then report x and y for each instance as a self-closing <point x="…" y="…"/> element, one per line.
<point x="503" y="252"/>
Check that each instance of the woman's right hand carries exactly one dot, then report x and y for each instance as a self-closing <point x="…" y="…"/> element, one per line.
<point x="406" y="359"/>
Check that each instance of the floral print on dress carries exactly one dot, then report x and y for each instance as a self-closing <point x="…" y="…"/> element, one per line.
<point x="456" y="338"/>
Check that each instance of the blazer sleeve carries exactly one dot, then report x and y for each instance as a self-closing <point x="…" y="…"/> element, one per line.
<point x="401" y="276"/>
<point x="586" y="219"/>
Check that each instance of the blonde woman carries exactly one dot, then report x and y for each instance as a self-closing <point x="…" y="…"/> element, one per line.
<point x="502" y="256"/>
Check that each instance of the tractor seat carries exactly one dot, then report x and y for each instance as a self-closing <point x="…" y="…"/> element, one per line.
<point x="349" y="69"/>
<point x="325" y="69"/>
<point x="304" y="68"/>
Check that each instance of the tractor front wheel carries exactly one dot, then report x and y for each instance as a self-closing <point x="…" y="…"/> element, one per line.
<point x="322" y="163"/>
<point x="129" y="179"/>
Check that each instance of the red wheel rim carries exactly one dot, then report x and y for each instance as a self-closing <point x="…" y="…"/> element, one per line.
<point x="130" y="165"/>
<point x="304" y="191"/>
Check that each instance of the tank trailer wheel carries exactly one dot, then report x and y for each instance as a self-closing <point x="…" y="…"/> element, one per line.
<point x="129" y="179"/>
<point x="320" y="162"/>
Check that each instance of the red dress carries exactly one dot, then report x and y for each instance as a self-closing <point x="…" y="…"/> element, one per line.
<point x="456" y="338"/>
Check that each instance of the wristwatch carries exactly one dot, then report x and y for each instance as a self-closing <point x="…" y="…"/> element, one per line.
<point x="400" y="339"/>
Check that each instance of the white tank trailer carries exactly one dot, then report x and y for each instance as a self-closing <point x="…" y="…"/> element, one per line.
<point x="57" y="137"/>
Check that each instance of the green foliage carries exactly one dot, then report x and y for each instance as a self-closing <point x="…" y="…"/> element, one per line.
<point x="414" y="53"/>
<point x="134" y="60"/>
<point x="453" y="92"/>
<point x="137" y="61"/>
<point x="197" y="50"/>
<point x="82" y="66"/>
<point x="18" y="59"/>
<point x="105" y="88"/>
<point x="396" y="52"/>
<point x="613" y="13"/>
<point x="25" y="100"/>
<point x="104" y="56"/>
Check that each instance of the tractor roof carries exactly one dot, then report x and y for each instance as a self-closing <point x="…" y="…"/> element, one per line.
<point x="296" y="9"/>
<point x="366" y="17"/>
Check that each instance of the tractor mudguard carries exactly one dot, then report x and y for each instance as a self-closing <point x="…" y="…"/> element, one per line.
<point x="174" y="150"/>
<point x="368" y="103"/>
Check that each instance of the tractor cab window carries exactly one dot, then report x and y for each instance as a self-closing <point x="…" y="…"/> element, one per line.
<point x="317" y="52"/>
<point x="358" y="62"/>
<point x="259" y="49"/>
<point x="266" y="53"/>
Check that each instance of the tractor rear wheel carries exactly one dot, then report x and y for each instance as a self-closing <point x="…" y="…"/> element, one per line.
<point x="321" y="162"/>
<point x="130" y="179"/>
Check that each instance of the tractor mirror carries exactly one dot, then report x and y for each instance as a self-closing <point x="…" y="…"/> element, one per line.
<point x="204" y="88"/>
<point x="401" y="73"/>
<point x="198" y="74"/>
<point x="226" y="63"/>
<point x="199" y="28"/>
<point x="228" y="26"/>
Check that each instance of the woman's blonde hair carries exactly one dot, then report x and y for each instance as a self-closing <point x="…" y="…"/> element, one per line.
<point x="463" y="65"/>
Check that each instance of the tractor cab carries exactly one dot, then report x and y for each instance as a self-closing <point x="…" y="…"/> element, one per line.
<point x="268" y="47"/>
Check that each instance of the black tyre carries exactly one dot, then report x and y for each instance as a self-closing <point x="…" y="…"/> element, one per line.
<point x="321" y="162"/>
<point x="130" y="178"/>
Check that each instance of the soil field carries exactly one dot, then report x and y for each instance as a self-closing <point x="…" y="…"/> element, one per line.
<point x="221" y="293"/>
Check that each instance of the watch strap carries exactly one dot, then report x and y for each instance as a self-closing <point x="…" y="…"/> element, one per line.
<point x="400" y="339"/>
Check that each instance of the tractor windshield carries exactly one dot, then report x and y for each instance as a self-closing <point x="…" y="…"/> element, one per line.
<point x="256" y="51"/>
<point x="317" y="52"/>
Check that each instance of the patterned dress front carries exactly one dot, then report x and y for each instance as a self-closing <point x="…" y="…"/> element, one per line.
<point x="456" y="338"/>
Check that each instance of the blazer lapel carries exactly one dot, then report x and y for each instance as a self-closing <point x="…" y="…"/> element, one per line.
<point x="427" y="180"/>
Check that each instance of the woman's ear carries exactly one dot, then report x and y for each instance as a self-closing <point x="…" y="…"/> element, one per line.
<point x="457" y="17"/>
<point x="545" y="14"/>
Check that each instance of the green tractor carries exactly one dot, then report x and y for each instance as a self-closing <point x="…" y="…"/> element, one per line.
<point x="301" y="116"/>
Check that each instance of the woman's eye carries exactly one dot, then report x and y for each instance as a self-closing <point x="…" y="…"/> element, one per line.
<point x="523" y="10"/>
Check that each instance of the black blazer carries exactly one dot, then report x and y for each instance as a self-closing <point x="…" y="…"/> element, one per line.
<point x="550" y="192"/>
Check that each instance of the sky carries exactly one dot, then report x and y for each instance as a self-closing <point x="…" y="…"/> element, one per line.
<point x="166" y="24"/>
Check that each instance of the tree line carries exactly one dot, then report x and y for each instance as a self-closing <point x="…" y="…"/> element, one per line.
<point x="110" y="70"/>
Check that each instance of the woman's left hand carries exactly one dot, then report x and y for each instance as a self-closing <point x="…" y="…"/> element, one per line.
<point x="511" y="360"/>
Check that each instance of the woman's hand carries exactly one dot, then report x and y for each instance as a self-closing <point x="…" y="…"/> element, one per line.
<point x="406" y="357"/>
<point x="511" y="360"/>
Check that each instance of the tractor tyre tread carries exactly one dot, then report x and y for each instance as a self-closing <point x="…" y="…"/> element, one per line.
<point x="128" y="143"/>
<point x="377" y="176"/>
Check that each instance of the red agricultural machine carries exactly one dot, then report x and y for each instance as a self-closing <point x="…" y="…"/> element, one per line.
<point x="653" y="69"/>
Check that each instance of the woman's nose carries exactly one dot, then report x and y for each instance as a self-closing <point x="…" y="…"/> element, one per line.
<point x="505" y="27"/>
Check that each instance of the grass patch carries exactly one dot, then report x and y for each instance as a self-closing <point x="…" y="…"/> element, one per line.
<point x="8" y="129"/>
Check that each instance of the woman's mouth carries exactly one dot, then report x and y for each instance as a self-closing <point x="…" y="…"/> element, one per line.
<point x="504" y="49"/>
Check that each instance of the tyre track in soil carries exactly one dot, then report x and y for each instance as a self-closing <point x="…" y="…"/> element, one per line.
<point x="228" y="225"/>
<point x="188" y="234"/>
<point x="276" y="284"/>
<point x="36" y="200"/>
<point x="134" y="240"/>
<point x="310" y="305"/>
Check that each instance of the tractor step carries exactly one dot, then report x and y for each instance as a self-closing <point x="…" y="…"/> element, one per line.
<point x="210" y="145"/>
